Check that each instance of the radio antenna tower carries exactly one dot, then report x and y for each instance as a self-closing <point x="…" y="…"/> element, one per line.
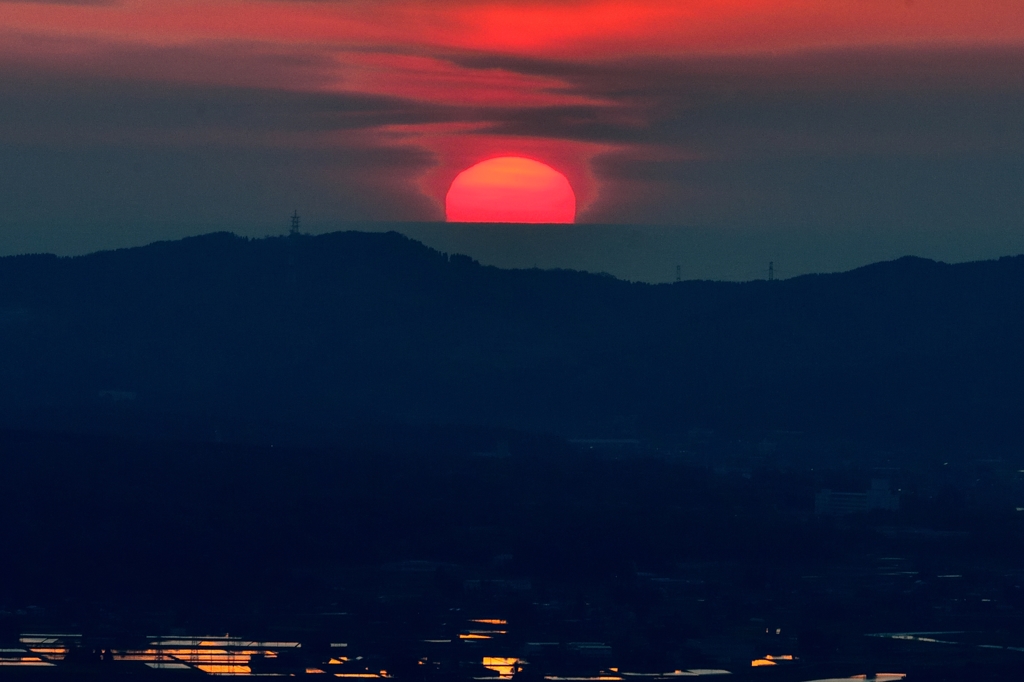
<point x="771" y="271"/>
<point x="295" y="223"/>
<point x="679" y="274"/>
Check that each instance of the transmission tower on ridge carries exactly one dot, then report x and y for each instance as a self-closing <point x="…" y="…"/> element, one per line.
<point x="771" y="271"/>
<point x="679" y="274"/>
<point x="295" y="223"/>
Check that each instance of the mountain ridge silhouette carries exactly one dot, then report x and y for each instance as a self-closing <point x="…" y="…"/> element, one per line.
<point x="311" y="333"/>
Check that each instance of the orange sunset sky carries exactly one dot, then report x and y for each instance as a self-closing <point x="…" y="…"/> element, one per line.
<point x="129" y="120"/>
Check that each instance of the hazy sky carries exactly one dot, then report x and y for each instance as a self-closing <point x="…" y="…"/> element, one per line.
<point x="898" y="122"/>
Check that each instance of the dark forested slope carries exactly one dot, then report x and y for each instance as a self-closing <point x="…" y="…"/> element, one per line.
<point x="237" y="338"/>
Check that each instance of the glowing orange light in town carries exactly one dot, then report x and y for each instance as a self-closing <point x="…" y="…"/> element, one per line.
<point x="510" y="189"/>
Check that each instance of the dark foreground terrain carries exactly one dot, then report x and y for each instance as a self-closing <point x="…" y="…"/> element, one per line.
<point x="350" y="455"/>
<point x="428" y="553"/>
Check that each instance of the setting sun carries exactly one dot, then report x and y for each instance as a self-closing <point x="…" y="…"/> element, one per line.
<point x="510" y="189"/>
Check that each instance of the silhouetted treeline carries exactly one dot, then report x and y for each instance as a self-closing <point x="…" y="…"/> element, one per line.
<point x="296" y="337"/>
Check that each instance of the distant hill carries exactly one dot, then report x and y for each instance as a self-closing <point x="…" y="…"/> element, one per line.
<point x="240" y="339"/>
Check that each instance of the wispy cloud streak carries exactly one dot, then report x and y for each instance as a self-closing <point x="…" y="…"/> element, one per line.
<point x="701" y="112"/>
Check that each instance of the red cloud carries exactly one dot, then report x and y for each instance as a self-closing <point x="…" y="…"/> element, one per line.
<point x="463" y="80"/>
<point x="584" y="28"/>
